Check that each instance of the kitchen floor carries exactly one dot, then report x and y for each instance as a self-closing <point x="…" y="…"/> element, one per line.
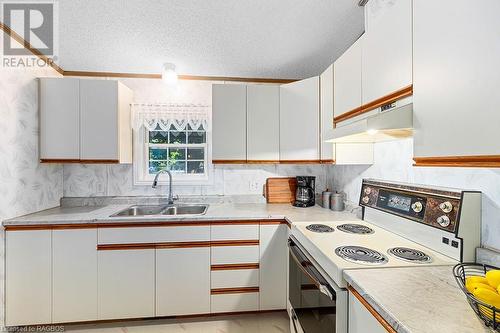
<point x="275" y="322"/>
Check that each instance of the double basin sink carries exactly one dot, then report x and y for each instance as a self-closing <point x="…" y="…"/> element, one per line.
<point x="163" y="210"/>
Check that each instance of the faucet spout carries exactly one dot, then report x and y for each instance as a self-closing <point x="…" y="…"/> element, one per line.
<point x="155" y="184"/>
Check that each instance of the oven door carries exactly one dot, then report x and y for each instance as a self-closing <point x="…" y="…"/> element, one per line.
<point x="312" y="299"/>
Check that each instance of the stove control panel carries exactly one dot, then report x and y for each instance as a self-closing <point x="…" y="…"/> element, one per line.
<point x="439" y="210"/>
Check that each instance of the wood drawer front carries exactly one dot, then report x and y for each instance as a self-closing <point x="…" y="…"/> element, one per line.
<point x="235" y="278"/>
<point x="234" y="254"/>
<point x="153" y="234"/>
<point x="235" y="232"/>
<point x="235" y="302"/>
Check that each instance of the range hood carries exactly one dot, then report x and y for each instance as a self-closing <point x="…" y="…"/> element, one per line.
<point x="379" y="125"/>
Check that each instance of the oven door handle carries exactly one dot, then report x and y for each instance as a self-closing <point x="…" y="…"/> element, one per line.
<point x="308" y="268"/>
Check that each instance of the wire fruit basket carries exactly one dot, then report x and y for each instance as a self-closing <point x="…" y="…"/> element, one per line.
<point x="488" y="313"/>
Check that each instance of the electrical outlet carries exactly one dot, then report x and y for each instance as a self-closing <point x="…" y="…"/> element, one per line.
<point x="99" y="187"/>
<point x="254" y="186"/>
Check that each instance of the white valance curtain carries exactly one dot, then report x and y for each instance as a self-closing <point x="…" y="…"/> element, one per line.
<point x="151" y="116"/>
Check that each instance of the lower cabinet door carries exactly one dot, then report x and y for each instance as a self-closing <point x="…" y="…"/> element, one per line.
<point x="182" y="281"/>
<point x="74" y="275"/>
<point x="126" y="280"/>
<point x="273" y="266"/>
<point x="360" y="319"/>
<point x="239" y="302"/>
<point x="28" y="277"/>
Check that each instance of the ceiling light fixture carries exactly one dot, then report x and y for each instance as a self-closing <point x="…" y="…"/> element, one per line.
<point x="372" y="131"/>
<point x="168" y="74"/>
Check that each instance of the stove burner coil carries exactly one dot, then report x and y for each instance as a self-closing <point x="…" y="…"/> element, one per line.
<point x="410" y="255"/>
<point x="355" y="229"/>
<point x="321" y="228"/>
<point x="359" y="254"/>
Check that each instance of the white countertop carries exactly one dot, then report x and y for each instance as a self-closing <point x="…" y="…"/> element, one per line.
<point x="417" y="299"/>
<point x="215" y="212"/>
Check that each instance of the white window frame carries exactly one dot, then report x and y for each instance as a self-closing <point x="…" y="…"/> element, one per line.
<point x="141" y="162"/>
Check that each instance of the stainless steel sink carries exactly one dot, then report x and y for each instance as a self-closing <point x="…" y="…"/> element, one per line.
<point x="164" y="210"/>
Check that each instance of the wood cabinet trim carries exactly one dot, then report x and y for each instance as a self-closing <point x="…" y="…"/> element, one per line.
<point x="231" y="267"/>
<point x="300" y="161"/>
<point x="390" y="98"/>
<point x="479" y="161"/>
<point x="263" y="162"/>
<point x="370" y="309"/>
<point x="243" y="242"/>
<point x="229" y="161"/>
<point x="174" y="245"/>
<point x="243" y="290"/>
<point x="140" y="224"/>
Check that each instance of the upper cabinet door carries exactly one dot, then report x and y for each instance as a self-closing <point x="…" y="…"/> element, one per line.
<point x="263" y="121"/>
<point x="347" y="78"/>
<point x="59" y="119"/>
<point x="299" y="120"/>
<point x="387" y="51"/>
<point x="326" y="105"/>
<point x="229" y="122"/>
<point x="99" y="120"/>
<point x="456" y="62"/>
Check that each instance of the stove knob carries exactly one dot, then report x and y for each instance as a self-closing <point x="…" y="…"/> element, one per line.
<point x="366" y="199"/>
<point x="368" y="190"/>
<point x="443" y="221"/>
<point x="446" y="206"/>
<point x="417" y="207"/>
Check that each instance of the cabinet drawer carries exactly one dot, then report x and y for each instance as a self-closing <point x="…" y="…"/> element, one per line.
<point x="235" y="302"/>
<point x="154" y="234"/>
<point x="235" y="254"/>
<point x="235" y="278"/>
<point x="235" y="232"/>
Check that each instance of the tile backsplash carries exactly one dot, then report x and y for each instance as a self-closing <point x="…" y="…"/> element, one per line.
<point x="117" y="180"/>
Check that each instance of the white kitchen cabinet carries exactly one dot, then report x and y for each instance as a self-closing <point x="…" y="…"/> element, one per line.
<point x="182" y="281"/>
<point x="28" y="270"/>
<point x="456" y="78"/>
<point x="299" y="121"/>
<point x="229" y="122"/>
<point x="347" y="79"/>
<point x="105" y="121"/>
<point x="326" y="114"/>
<point x="263" y="117"/>
<point x="239" y="302"/>
<point x="74" y="275"/>
<point x="387" y="51"/>
<point x="361" y="320"/>
<point x="273" y="266"/>
<point x="85" y="121"/>
<point x="59" y="119"/>
<point x="126" y="280"/>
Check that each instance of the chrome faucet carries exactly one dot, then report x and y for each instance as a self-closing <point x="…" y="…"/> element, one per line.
<point x="155" y="184"/>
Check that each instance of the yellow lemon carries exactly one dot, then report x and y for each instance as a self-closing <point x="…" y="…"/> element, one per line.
<point x="487" y="296"/>
<point x="493" y="277"/>
<point x="475" y="279"/>
<point x="498" y="289"/>
<point x="471" y="286"/>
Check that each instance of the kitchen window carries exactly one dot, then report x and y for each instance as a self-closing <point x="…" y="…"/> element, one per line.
<point x="171" y="137"/>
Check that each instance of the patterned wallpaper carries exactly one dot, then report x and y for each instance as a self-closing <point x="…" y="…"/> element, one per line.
<point x="393" y="161"/>
<point x="26" y="186"/>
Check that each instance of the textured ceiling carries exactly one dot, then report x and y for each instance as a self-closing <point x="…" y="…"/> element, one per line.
<point x="249" y="38"/>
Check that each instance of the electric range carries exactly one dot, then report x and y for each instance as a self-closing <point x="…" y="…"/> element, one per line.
<point x="403" y="225"/>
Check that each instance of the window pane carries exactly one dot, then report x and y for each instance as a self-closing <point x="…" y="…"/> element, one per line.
<point x="158" y="137"/>
<point x="155" y="166"/>
<point x="158" y="154"/>
<point x="195" y="167"/>
<point x="197" y="137"/>
<point x="178" y="166"/>
<point x="177" y="154"/>
<point x="177" y="137"/>
<point x="196" y="153"/>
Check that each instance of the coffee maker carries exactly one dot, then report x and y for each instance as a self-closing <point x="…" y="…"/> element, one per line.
<point x="305" y="195"/>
